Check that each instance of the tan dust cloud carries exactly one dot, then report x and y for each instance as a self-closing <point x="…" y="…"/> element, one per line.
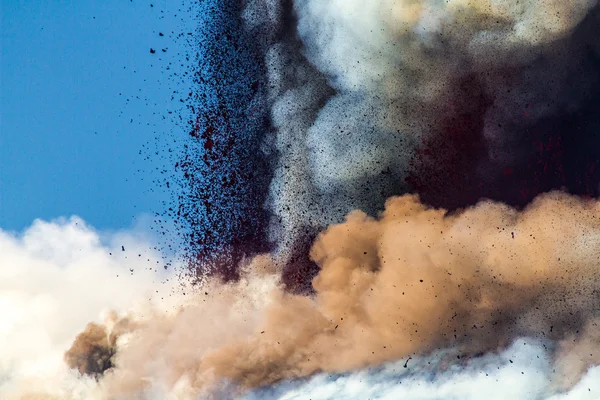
<point x="408" y="282"/>
<point x="93" y="349"/>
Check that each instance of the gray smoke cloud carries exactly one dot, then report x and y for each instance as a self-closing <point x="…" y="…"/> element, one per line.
<point x="357" y="87"/>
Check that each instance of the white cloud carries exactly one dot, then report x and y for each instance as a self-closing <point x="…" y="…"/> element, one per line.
<point x="57" y="276"/>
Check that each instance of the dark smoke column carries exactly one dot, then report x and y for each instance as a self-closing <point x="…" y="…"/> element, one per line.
<point x="225" y="172"/>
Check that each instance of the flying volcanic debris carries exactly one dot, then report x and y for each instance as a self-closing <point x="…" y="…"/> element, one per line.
<point x="371" y="182"/>
<point x="456" y="101"/>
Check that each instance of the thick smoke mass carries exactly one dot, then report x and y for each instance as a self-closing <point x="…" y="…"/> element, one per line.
<point x="456" y="101"/>
<point x="408" y="284"/>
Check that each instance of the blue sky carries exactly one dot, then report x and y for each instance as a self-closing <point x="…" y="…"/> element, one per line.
<point x="82" y="101"/>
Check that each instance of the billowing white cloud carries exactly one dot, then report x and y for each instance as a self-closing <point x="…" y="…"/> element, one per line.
<point x="57" y="276"/>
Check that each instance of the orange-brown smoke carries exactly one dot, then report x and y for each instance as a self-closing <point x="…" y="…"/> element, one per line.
<point x="93" y="349"/>
<point x="410" y="281"/>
